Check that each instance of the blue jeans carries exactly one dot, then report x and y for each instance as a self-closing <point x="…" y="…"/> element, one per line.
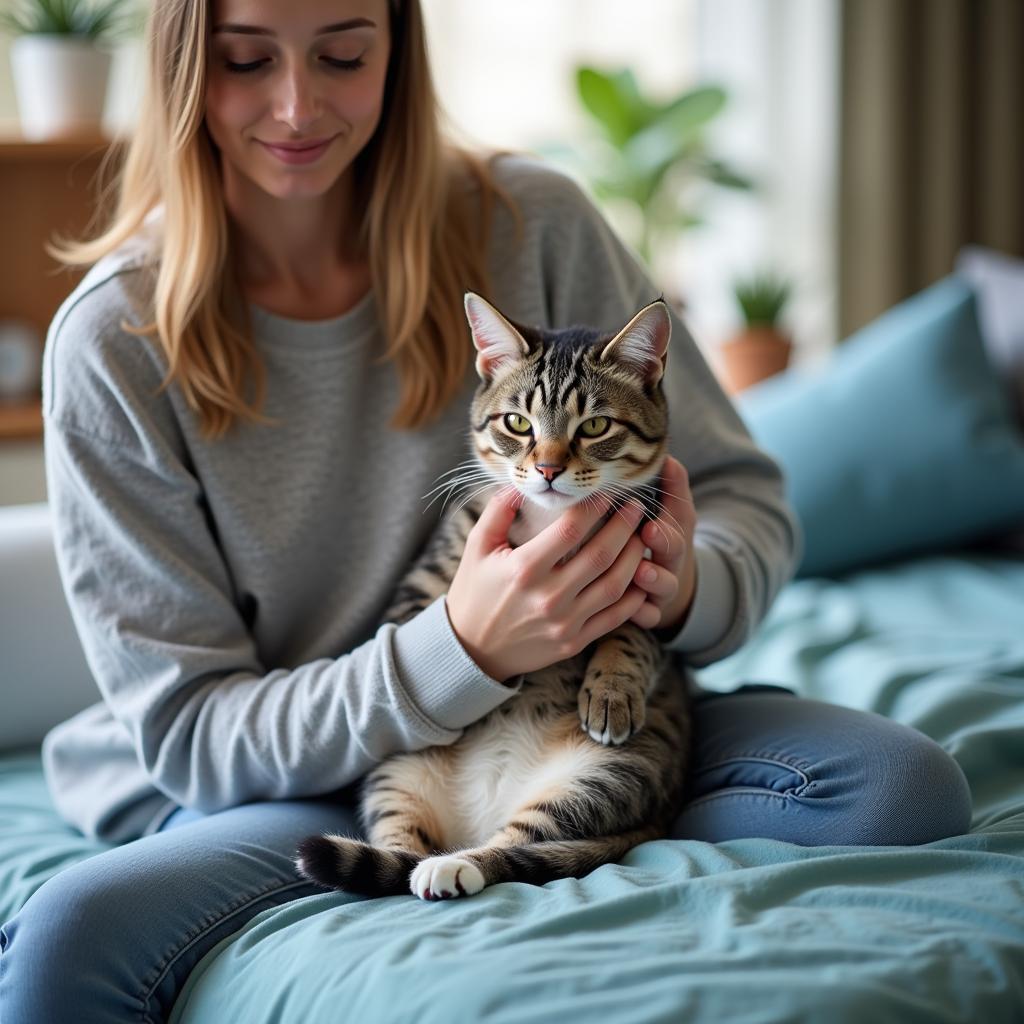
<point x="113" y="938"/>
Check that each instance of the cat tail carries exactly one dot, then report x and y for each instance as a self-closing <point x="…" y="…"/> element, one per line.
<point x="537" y="863"/>
<point x="336" y="862"/>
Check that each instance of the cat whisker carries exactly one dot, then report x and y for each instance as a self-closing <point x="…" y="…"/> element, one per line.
<point x="661" y="490"/>
<point x="467" y="472"/>
<point x="459" y="486"/>
<point x="460" y="471"/>
<point x="627" y="495"/>
<point x="479" y="490"/>
<point x="447" y="492"/>
<point x="461" y="465"/>
<point x="478" y="475"/>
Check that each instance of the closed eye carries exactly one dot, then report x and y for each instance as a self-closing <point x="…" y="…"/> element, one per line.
<point x="343" y="65"/>
<point x="242" y="68"/>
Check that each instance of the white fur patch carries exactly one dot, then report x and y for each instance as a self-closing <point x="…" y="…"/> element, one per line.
<point x="445" y="877"/>
<point x="504" y="768"/>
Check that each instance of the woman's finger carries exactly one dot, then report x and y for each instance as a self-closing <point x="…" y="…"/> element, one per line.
<point x="491" y="529"/>
<point x="661" y="587"/>
<point x="668" y="535"/>
<point x="557" y="539"/>
<point x="647" y="616"/>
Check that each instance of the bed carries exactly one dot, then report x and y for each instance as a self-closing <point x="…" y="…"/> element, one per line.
<point x="748" y="930"/>
<point x="926" y="629"/>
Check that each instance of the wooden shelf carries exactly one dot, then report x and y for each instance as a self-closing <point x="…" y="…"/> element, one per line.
<point x="47" y="189"/>
<point x="17" y="148"/>
<point x="20" y="420"/>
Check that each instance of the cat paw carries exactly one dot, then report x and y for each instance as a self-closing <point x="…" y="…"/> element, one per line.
<point x="611" y="710"/>
<point x="441" y="878"/>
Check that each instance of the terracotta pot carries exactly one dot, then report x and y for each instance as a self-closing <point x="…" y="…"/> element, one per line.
<point x="754" y="354"/>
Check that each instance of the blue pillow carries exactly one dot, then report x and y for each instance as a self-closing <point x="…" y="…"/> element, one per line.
<point x="903" y="443"/>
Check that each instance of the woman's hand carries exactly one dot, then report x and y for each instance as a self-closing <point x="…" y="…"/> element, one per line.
<point x="670" y="537"/>
<point x="517" y="610"/>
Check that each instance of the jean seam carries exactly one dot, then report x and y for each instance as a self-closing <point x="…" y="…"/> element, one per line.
<point x="738" y="791"/>
<point x="208" y="924"/>
<point x="800" y="767"/>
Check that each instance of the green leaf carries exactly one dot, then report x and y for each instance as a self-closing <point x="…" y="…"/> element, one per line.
<point x="762" y="298"/>
<point x="722" y="174"/>
<point x="676" y="132"/>
<point x="657" y="147"/>
<point x="89" y="18"/>
<point x="606" y="100"/>
<point x="695" y="107"/>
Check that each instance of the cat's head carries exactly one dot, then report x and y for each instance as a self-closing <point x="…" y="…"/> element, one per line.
<point x="567" y="414"/>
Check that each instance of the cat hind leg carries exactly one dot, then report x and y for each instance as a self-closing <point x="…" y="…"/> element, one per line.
<point x="445" y="876"/>
<point x="337" y="862"/>
<point x="468" y="871"/>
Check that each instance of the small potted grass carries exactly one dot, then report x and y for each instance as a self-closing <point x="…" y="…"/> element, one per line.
<point x="60" y="60"/>
<point x="762" y="348"/>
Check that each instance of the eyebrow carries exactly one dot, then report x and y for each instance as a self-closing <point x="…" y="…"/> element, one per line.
<point x="255" y="30"/>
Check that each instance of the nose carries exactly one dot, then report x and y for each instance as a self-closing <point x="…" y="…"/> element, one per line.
<point x="549" y="470"/>
<point x="297" y="102"/>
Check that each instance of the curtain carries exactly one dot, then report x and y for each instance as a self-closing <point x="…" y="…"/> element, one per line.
<point x="931" y="150"/>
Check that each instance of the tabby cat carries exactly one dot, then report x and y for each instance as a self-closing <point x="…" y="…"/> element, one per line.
<point x="588" y="759"/>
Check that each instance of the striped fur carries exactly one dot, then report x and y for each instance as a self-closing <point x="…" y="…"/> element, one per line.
<point x="588" y="760"/>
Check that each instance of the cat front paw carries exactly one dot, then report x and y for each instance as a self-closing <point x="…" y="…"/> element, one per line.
<point x="446" y="876"/>
<point x="611" y="709"/>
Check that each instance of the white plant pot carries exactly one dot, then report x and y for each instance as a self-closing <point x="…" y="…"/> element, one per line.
<point x="60" y="83"/>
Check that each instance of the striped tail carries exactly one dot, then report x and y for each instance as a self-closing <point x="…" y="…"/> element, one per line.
<point x="336" y="862"/>
<point x="353" y="866"/>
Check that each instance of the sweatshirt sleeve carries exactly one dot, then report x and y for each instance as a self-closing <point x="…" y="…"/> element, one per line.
<point x="174" y="662"/>
<point x="747" y="541"/>
<point x="154" y="606"/>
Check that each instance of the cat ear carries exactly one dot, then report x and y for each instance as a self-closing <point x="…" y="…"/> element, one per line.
<point x="499" y="345"/>
<point x="642" y="345"/>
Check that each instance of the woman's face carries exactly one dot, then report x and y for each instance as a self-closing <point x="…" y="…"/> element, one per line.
<point x="300" y="74"/>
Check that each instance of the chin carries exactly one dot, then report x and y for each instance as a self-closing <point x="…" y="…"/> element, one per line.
<point x="299" y="187"/>
<point x="553" y="500"/>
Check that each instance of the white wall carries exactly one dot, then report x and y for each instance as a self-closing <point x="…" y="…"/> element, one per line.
<point x="780" y="61"/>
<point x="505" y="70"/>
<point x="22" y="475"/>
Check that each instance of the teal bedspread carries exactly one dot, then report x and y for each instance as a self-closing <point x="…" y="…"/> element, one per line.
<point x="749" y="930"/>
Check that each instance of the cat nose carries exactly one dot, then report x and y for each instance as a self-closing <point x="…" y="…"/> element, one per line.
<point x="549" y="470"/>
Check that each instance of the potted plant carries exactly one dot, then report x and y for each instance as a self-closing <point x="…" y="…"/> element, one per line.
<point x="762" y="348"/>
<point x="60" y="61"/>
<point x="646" y="155"/>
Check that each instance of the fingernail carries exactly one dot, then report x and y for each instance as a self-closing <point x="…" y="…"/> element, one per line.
<point x="648" y="575"/>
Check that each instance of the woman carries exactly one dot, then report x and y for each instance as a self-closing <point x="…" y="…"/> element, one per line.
<point x="246" y="398"/>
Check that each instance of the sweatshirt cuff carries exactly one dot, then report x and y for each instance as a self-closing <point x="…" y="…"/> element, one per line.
<point x="713" y="607"/>
<point x="444" y="682"/>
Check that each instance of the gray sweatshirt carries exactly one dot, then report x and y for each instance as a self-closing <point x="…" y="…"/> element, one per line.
<point x="228" y="593"/>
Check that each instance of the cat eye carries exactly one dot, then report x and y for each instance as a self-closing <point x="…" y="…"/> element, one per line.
<point x="595" y="427"/>
<point x="518" y="424"/>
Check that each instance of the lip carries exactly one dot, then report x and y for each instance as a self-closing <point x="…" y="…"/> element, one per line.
<point x="298" y="152"/>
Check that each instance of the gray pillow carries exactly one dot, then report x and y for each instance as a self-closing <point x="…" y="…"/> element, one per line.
<point x="998" y="282"/>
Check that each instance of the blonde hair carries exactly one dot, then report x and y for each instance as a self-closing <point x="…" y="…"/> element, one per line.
<point x="426" y="208"/>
